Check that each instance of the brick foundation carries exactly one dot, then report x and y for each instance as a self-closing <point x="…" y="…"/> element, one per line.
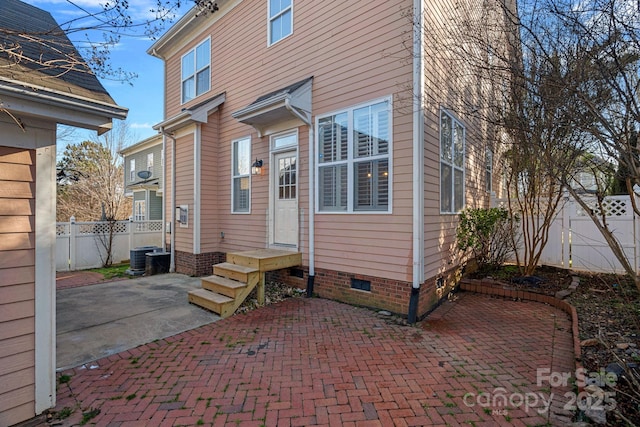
<point x="198" y="265"/>
<point x="386" y="294"/>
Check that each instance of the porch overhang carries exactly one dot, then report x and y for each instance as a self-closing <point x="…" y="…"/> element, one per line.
<point x="290" y="105"/>
<point x="152" y="184"/>
<point x="198" y="113"/>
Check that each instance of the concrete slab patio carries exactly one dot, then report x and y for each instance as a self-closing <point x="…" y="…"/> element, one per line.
<point x="303" y="362"/>
<point x="105" y="318"/>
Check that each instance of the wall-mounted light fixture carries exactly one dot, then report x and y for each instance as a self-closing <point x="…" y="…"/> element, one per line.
<point x="256" y="167"/>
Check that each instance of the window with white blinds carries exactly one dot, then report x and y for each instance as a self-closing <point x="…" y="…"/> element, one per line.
<point x="241" y="180"/>
<point x="354" y="149"/>
<point x="452" y="159"/>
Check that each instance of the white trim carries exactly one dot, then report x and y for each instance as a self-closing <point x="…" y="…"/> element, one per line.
<point x="45" y="279"/>
<point x="270" y="18"/>
<point x="195" y="72"/>
<point x="454" y="120"/>
<point x="248" y="212"/>
<point x="189" y="27"/>
<point x="197" y="192"/>
<point x="145" y="144"/>
<point x="312" y="218"/>
<point x="164" y="202"/>
<point x="418" y="270"/>
<point x="172" y="264"/>
<point x="350" y="161"/>
<point x="488" y="165"/>
<point x="48" y="96"/>
<point x="273" y="185"/>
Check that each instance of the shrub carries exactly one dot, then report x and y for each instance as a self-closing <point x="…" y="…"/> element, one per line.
<point x="487" y="234"/>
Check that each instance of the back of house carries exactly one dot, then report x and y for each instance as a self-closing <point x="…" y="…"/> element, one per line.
<point x="320" y="128"/>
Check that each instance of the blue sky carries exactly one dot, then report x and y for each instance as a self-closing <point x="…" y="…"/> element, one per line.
<point x="144" y="97"/>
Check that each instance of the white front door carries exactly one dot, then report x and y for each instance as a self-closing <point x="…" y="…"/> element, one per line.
<point x="285" y="198"/>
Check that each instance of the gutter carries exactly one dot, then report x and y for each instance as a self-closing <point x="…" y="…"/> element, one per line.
<point x="312" y="213"/>
<point x="418" y="159"/>
<point x="172" y="264"/>
<point x="77" y="103"/>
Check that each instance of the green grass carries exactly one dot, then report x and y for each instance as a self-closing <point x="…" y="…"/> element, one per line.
<point x="112" y="272"/>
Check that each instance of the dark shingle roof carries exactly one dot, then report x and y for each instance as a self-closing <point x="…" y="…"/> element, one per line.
<point x="285" y="90"/>
<point x="45" y="48"/>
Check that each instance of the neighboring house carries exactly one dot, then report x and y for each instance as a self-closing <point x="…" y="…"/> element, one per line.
<point x="143" y="178"/>
<point x="594" y="174"/>
<point x="33" y="99"/>
<point x="366" y="155"/>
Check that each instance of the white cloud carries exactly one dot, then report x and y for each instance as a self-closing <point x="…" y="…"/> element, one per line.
<point x="141" y="125"/>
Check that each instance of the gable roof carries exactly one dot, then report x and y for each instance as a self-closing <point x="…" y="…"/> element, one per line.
<point x="39" y="52"/>
<point x="43" y="75"/>
<point x="150" y="142"/>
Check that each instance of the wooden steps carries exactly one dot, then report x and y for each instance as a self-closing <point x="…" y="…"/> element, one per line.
<point x="233" y="281"/>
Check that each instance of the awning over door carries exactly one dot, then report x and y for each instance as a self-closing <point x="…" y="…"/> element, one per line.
<point x="198" y="113"/>
<point x="290" y="106"/>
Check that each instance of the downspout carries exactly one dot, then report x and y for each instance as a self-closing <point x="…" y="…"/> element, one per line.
<point x="164" y="186"/>
<point x="197" y="170"/>
<point x="312" y="210"/>
<point x="172" y="264"/>
<point x="418" y="159"/>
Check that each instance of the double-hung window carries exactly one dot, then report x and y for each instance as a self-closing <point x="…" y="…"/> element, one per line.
<point x="452" y="159"/>
<point x="280" y="20"/>
<point x="489" y="169"/>
<point x="132" y="170"/>
<point x="241" y="180"/>
<point x="196" y="71"/>
<point x="354" y="158"/>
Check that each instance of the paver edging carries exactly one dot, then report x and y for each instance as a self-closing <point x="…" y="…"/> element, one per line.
<point x="494" y="287"/>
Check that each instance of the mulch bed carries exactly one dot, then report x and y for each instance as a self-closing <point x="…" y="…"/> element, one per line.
<point x="608" y="308"/>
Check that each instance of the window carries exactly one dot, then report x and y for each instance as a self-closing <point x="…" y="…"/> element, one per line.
<point x="452" y="158"/>
<point x="139" y="210"/>
<point x="150" y="162"/>
<point x="354" y="149"/>
<point x="489" y="169"/>
<point x="241" y="164"/>
<point x="196" y="75"/>
<point x="132" y="170"/>
<point x="280" y="20"/>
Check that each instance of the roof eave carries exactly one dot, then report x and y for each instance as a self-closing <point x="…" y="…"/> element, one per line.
<point x="60" y="108"/>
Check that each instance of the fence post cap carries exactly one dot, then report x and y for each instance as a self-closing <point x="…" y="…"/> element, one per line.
<point x="72" y="219"/>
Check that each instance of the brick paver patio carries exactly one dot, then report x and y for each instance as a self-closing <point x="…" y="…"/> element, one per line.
<point x="306" y="362"/>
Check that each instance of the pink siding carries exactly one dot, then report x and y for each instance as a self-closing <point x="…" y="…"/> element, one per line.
<point x="455" y="92"/>
<point x="210" y="238"/>
<point x="356" y="55"/>
<point x="17" y="285"/>
<point x="184" y="190"/>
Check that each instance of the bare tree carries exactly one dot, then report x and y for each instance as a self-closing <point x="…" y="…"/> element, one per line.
<point x="91" y="178"/>
<point x="91" y="185"/>
<point x="84" y="43"/>
<point x="564" y="89"/>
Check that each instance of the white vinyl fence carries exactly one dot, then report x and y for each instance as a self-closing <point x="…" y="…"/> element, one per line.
<point x="79" y="246"/>
<point x="576" y="243"/>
